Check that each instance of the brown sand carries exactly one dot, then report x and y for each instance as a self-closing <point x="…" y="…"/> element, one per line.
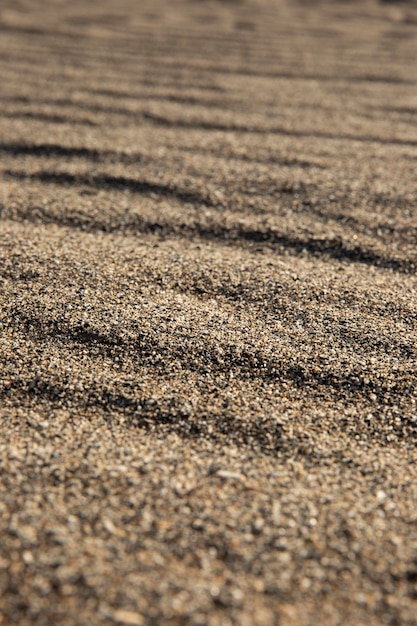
<point x="208" y="313"/>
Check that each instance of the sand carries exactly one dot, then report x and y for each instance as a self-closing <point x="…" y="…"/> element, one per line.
<point x="208" y="313"/>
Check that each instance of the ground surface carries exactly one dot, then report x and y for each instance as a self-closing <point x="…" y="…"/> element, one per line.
<point x="208" y="313"/>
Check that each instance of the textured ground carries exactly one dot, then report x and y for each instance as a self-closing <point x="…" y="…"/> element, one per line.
<point x="208" y="313"/>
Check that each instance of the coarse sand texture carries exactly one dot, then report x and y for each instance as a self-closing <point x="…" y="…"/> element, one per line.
<point x="208" y="313"/>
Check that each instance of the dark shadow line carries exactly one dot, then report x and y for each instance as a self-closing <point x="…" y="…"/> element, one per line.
<point x="26" y="30"/>
<point x="105" y="181"/>
<point x="330" y="247"/>
<point x="349" y="220"/>
<point x="153" y="415"/>
<point x="42" y="32"/>
<point x="333" y="248"/>
<point x="47" y="117"/>
<point x="390" y="109"/>
<point x="216" y="126"/>
<point x="117" y="110"/>
<point x="50" y="150"/>
<point x="288" y="75"/>
<point x="266" y="434"/>
<point x="253" y="292"/>
<point x="247" y="364"/>
<point x="57" y="150"/>
<point x="119" y="93"/>
<point x="270" y="160"/>
<point x="103" y="108"/>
